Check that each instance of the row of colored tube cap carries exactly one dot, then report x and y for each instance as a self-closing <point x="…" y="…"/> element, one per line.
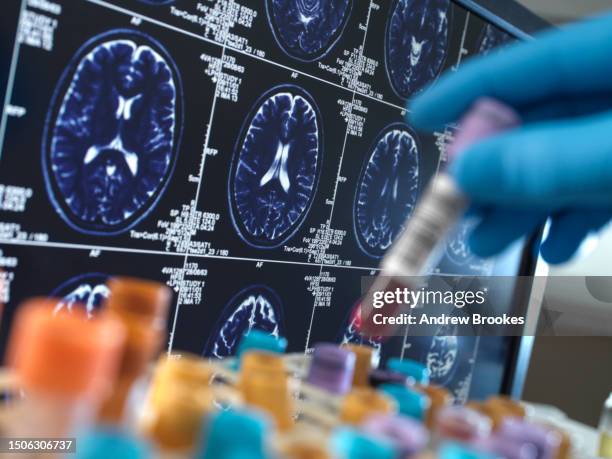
<point x="92" y="378"/>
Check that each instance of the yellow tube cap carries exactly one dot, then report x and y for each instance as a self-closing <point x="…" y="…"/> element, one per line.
<point x="360" y="403"/>
<point x="264" y="384"/>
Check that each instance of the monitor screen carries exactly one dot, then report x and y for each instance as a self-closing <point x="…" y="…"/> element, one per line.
<point x="252" y="155"/>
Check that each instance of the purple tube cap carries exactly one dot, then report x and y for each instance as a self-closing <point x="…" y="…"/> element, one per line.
<point x="545" y="440"/>
<point x="332" y="368"/>
<point x="486" y="118"/>
<point x="407" y="435"/>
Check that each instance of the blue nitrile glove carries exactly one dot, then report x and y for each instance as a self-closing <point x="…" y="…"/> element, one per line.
<point x="559" y="163"/>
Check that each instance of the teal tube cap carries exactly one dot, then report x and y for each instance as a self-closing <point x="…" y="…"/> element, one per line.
<point x="261" y="341"/>
<point x="349" y="443"/>
<point x="234" y="434"/>
<point x="410" y="402"/>
<point x="411" y="368"/>
<point x="457" y="451"/>
<point x="105" y="443"/>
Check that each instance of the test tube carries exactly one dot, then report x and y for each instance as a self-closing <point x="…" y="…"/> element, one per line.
<point x="332" y="368"/>
<point x="407" y="435"/>
<point x="439" y="398"/>
<point x="361" y="403"/>
<point x="410" y="402"/>
<point x="416" y="372"/>
<point x="179" y="398"/>
<point x="234" y="434"/>
<point x="142" y="307"/>
<point x="440" y="207"/>
<point x="65" y="363"/>
<point x="547" y="441"/>
<point x="111" y="443"/>
<point x="264" y="384"/>
<point x="605" y="429"/>
<point x="461" y="424"/>
<point x="348" y="443"/>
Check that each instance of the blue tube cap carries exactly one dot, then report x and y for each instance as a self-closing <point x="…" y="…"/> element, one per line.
<point x="457" y="451"/>
<point x="411" y="368"/>
<point x="234" y="434"/>
<point x="351" y="444"/>
<point x="105" y="443"/>
<point x="410" y="402"/>
<point x="261" y="341"/>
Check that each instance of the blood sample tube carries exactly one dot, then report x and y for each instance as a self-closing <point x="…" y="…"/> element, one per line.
<point x="332" y="368"/>
<point x="361" y="403"/>
<point x="264" y="384"/>
<point x="407" y="435"/>
<point x="439" y="209"/>
<point x="142" y="307"/>
<point x="179" y="398"/>
<point x="65" y="363"/>
<point x="461" y="424"/>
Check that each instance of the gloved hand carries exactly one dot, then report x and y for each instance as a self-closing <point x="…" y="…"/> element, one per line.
<point x="559" y="163"/>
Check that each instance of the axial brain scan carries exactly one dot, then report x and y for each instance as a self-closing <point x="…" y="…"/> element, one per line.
<point x="275" y="169"/>
<point x="416" y="43"/>
<point x="457" y="246"/>
<point x="86" y="290"/>
<point x="256" y="307"/>
<point x="112" y="133"/>
<point x="308" y="29"/>
<point x="387" y="189"/>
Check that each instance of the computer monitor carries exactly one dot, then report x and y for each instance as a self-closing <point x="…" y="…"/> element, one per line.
<point x="253" y="155"/>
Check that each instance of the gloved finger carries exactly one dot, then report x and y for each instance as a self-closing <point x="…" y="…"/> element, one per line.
<point x="523" y="73"/>
<point x="500" y="228"/>
<point x="568" y="230"/>
<point x="545" y="166"/>
<point x="569" y="106"/>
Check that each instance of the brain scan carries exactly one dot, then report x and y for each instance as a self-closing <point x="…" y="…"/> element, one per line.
<point x="276" y="166"/>
<point x="416" y="43"/>
<point x="112" y="133"/>
<point x="442" y="357"/>
<point x="88" y="290"/>
<point x="387" y="189"/>
<point x="307" y="29"/>
<point x="457" y="247"/>
<point x="491" y="38"/>
<point x="255" y="307"/>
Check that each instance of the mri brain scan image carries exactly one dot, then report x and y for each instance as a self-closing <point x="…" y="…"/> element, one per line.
<point x="256" y="307"/>
<point x="87" y="290"/>
<point x="112" y="133"/>
<point x="491" y="38"/>
<point x="387" y="189"/>
<point x="442" y="357"/>
<point x="457" y="247"/>
<point x="276" y="166"/>
<point x="416" y="43"/>
<point x="307" y="29"/>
